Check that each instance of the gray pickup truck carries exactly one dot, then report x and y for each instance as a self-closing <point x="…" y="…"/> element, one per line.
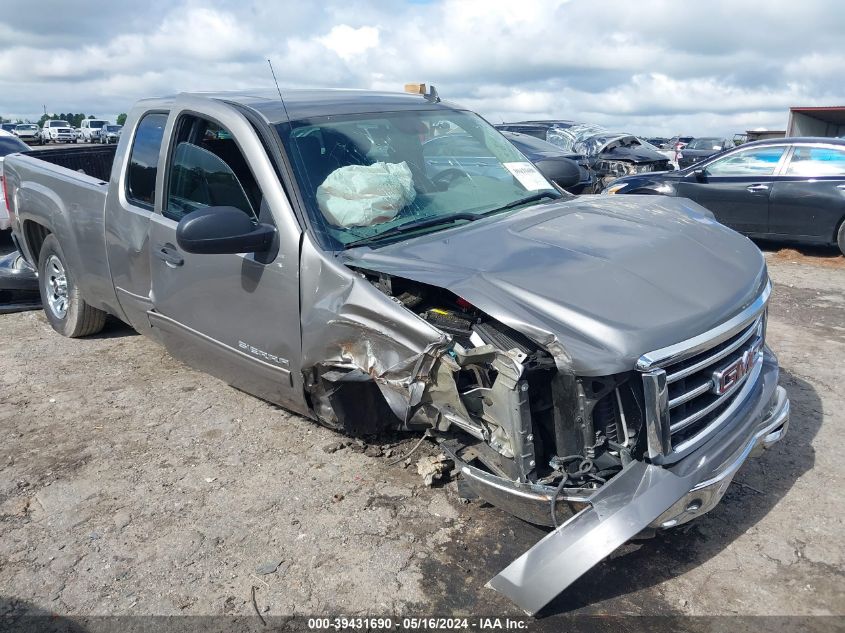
<point x="597" y="364"/>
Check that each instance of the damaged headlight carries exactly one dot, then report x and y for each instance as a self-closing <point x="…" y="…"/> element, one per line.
<point x="614" y="167"/>
<point x="615" y="188"/>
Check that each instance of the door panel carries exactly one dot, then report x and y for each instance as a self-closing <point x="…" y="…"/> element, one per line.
<point x="736" y="186"/>
<point x="228" y="315"/>
<point x="737" y="202"/>
<point x="234" y="316"/>
<point x="130" y="206"/>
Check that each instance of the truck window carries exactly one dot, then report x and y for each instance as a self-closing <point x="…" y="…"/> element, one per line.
<point x="143" y="161"/>
<point x="198" y="179"/>
<point x="208" y="169"/>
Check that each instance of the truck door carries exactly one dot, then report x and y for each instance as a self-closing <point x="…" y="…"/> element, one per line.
<point x="130" y="205"/>
<point x="235" y="316"/>
<point x="736" y="187"/>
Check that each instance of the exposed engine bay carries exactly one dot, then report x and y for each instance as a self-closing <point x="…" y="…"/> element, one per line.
<point x="503" y="405"/>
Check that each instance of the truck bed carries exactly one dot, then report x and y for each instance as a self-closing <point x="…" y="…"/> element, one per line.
<point x="93" y="161"/>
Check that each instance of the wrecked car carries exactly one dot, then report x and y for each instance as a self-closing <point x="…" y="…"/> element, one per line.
<point x="596" y="364"/>
<point x="609" y="154"/>
<point x="18" y="284"/>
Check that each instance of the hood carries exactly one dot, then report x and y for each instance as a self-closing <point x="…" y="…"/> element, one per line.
<point x="634" y="153"/>
<point x="610" y="278"/>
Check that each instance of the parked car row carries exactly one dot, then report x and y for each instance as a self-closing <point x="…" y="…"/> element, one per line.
<point x="59" y="131"/>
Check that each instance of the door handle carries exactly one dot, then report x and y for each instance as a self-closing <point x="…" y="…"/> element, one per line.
<point x="169" y="255"/>
<point x="753" y="188"/>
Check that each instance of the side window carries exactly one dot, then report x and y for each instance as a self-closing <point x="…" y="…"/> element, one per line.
<point x="755" y="161"/>
<point x="817" y="161"/>
<point x="143" y="161"/>
<point x="207" y="169"/>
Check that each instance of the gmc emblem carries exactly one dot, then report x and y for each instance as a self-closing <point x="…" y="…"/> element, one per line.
<point x="729" y="375"/>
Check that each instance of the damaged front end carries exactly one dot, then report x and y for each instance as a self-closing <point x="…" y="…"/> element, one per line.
<point x="600" y="458"/>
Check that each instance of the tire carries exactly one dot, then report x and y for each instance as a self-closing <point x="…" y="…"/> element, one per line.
<point x="840" y="237"/>
<point x="64" y="306"/>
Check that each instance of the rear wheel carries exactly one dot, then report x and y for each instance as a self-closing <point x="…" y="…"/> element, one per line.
<point x="64" y="306"/>
<point x="840" y="238"/>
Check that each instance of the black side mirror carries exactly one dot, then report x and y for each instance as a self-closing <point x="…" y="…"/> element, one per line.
<point x="216" y="230"/>
<point x="562" y="171"/>
<point x="700" y="175"/>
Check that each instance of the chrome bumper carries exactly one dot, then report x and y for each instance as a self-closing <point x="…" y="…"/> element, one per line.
<point x="704" y="496"/>
<point x="641" y="496"/>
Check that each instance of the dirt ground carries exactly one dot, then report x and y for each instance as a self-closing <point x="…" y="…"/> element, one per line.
<point x="130" y="484"/>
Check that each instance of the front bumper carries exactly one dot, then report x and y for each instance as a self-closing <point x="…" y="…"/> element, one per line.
<point x="705" y="495"/>
<point x="640" y="497"/>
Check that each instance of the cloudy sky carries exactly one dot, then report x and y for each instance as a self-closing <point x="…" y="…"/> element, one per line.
<point x="645" y="66"/>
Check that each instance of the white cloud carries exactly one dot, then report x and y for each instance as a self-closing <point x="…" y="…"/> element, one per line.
<point x="651" y="67"/>
<point x="348" y="42"/>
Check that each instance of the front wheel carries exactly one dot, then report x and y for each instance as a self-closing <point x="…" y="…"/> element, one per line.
<point x="840" y="238"/>
<point x="64" y="306"/>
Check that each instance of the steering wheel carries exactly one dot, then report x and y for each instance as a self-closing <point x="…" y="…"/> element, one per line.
<point x="446" y="178"/>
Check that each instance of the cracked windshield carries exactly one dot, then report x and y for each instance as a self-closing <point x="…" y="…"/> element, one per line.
<point x="368" y="177"/>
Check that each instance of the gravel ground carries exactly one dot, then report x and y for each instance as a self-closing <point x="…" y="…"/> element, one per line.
<point x="130" y="484"/>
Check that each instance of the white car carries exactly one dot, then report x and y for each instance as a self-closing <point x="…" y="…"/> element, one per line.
<point x="57" y="131"/>
<point x="90" y="129"/>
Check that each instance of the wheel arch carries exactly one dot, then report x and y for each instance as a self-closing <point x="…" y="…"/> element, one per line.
<point x="34" y="234"/>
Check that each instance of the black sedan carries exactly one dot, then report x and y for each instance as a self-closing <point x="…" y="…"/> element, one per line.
<point x="550" y="158"/>
<point x="782" y="189"/>
<point x="700" y="148"/>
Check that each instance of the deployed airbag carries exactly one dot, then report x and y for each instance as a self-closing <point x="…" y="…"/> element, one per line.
<point x="361" y="195"/>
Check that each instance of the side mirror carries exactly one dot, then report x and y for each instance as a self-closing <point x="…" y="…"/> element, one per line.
<point x="563" y="171"/>
<point x="700" y="175"/>
<point x="217" y="230"/>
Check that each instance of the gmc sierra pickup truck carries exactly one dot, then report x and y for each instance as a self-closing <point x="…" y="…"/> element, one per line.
<point x="596" y="364"/>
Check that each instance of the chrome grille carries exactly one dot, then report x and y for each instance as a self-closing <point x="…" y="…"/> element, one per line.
<point x="690" y="387"/>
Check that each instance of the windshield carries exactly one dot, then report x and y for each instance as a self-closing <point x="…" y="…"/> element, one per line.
<point x="706" y="143"/>
<point x="26" y="127"/>
<point x="59" y="124"/>
<point x="364" y="175"/>
<point x="113" y="128"/>
<point x="96" y="125"/>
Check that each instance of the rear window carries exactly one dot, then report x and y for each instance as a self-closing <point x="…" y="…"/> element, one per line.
<point x="143" y="161"/>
